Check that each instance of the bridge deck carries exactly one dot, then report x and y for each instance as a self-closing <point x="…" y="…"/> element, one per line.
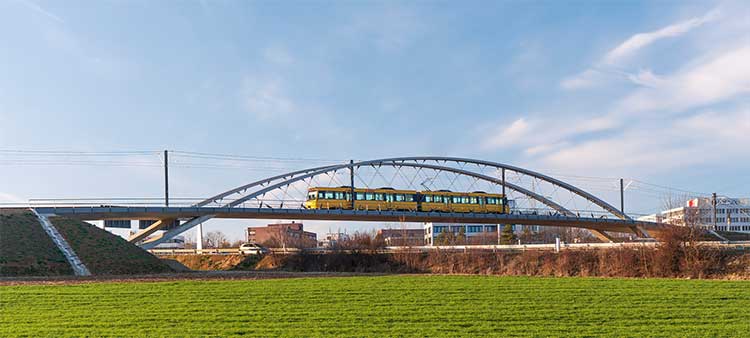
<point x="155" y="213"/>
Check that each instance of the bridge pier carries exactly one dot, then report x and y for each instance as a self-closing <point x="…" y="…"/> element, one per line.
<point x="199" y="236"/>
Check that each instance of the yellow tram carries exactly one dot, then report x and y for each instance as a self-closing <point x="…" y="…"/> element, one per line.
<point x="405" y="200"/>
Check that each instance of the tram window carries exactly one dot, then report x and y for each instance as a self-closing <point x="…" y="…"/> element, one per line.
<point x="455" y="199"/>
<point x="465" y="199"/>
<point x="311" y="196"/>
<point x="348" y="196"/>
<point x="440" y="199"/>
<point x="399" y="197"/>
<point x="411" y="198"/>
<point x="388" y="197"/>
<point x="500" y="201"/>
<point x="428" y="198"/>
<point x="491" y="200"/>
<point x="360" y="196"/>
<point x="379" y="197"/>
<point x="473" y="200"/>
<point x="329" y="195"/>
<point x="339" y="195"/>
<point x="369" y="196"/>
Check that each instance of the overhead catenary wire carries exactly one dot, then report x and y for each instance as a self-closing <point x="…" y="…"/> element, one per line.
<point x="196" y="160"/>
<point x="251" y="158"/>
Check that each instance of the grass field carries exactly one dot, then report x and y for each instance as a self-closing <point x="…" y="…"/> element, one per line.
<point x="381" y="306"/>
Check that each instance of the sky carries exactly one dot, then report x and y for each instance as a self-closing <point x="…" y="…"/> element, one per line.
<point x="654" y="91"/>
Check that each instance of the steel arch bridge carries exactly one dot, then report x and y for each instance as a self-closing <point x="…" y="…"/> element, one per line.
<point x="540" y="199"/>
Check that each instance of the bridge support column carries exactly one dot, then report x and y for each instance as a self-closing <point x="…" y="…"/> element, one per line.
<point x="158" y="225"/>
<point x="602" y="236"/>
<point x="640" y="232"/>
<point x="199" y="237"/>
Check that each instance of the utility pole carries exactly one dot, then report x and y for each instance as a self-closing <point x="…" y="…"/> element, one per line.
<point x="502" y="174"/>
<point x="502" y="171"/>
<point x="166" y="178"/>
<point x="351" y="178"/>
<point x="622" y="197"/>
<point x="713" y="203"/>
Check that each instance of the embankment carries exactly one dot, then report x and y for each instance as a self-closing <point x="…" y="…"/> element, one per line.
<point x="27" y="250"/>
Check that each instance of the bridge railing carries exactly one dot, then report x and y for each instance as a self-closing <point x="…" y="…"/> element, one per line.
<point x="143" y="202"/>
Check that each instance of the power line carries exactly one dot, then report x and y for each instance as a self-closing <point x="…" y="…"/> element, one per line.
<point x="77" y="153"/>
<point x="672" y="188"/>
<point x="26" y="157"/>
<point x="250" y="158"/>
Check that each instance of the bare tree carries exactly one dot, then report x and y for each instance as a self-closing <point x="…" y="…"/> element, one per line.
<point x="215" y="239"/>
<point x="688" y="217"/>
<point x="671" y="200"/>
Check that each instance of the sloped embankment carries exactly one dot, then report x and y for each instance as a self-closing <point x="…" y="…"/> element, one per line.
<point x="26" y="250"/>
<point x="107" y="254"/>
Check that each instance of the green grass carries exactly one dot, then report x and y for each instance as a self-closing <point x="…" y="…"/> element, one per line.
<point x="432" y="306"/>
<point x="26" y="250"/>
<point x="104" y="253"/>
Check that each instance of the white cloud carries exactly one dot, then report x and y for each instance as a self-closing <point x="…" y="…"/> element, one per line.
<point x="541" y="135"/>
<point x="584" y="79"/>
<point x="707" y="137"/>
<point x="642" y="40"/>
<point x="266" y="99"/>
<point x="723" y="77"/>
<point x="609" y="67"/>
<point x="513" y="134"/>
<point x="670" y="121"/>
<point x="646" y="78"/>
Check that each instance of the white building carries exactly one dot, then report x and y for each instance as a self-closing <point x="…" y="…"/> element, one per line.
<point x="475" y="233"/>
<point x="732" y="214"/>
<point x="331" y="239"/>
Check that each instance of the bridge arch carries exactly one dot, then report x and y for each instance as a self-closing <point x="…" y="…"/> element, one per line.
<point x="258" y="188"/>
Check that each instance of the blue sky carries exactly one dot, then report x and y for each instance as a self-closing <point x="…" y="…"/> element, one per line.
<point x="657" y="91"/>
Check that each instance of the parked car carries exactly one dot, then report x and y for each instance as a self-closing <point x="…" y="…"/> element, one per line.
<point x="252" y="249"/>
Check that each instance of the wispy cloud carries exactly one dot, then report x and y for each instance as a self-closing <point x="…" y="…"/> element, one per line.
<point x="503" y="137"/>
<point x="611" y="65"/>
<point x="266" y="98"/>
<point x="642" y="40"/>
<point x="705" y="137"/>
<point x="694" y="114"/>
<point x="38" y="9"/>
<point x="722" y="77"/>
<point x="537" y="135"/>
<point x="390" y="29"/>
